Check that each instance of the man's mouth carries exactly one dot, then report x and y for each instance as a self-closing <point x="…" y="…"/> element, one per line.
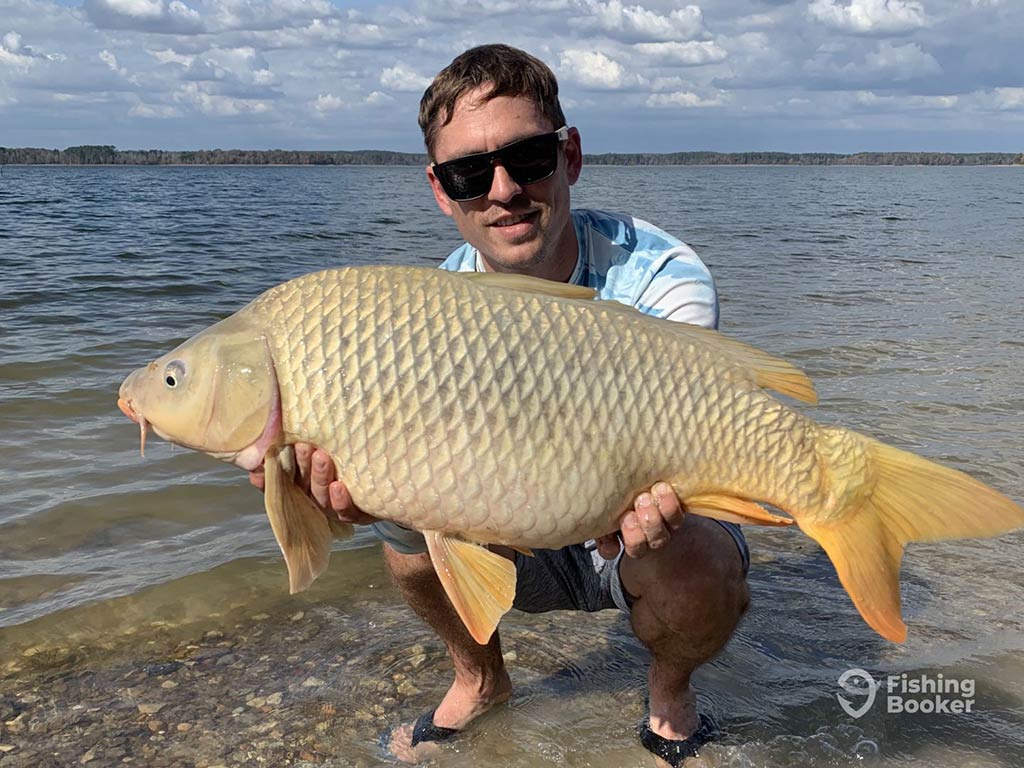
<point x="509" y="221"/>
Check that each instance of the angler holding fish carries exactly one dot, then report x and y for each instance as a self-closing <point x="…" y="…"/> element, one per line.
<point x="460" y="411"/>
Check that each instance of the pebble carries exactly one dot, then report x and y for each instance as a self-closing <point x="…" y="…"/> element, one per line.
<point x="123" y="698"/>
<point x="164" y="668"/>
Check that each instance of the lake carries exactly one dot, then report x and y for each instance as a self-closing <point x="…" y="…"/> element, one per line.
<point x="898" y="290"/>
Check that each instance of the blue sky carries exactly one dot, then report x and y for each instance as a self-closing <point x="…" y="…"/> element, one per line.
<point x="727" y="75"/>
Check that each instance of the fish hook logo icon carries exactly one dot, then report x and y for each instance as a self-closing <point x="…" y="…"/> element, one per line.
<point x="857" y="681"/>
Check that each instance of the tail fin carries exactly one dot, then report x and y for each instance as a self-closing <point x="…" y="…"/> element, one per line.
<point x="907" y="498"/>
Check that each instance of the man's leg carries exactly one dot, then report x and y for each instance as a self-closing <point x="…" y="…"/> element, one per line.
<point x="688" y="597"/>
<point x="481" y="680"/>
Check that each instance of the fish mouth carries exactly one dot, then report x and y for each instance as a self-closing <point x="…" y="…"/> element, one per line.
<point x="126" y="408"/>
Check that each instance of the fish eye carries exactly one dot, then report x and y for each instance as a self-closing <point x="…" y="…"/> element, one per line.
<point x="174" y="373"/>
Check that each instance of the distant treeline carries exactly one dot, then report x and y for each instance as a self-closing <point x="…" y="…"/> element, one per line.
<point x="107" y="155"/>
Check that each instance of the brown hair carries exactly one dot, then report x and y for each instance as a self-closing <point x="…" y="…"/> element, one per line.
<point x="508" y="71"/>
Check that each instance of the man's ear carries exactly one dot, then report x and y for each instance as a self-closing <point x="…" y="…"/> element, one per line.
<point x="573" y="156"/>
<point x="442" y="199"/>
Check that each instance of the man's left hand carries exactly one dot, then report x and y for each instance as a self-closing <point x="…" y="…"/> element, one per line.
<point x="655" y="516"/>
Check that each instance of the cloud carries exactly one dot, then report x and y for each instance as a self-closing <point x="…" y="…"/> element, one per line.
<point x="203" y="97"/>
<point x="253" y="72"/>
<point x="259" y="15"/>
<point x="378" y="99"/>
<point x="1009" y="98"/>
<point x="634" y="23"/>
<point x="901" y="62"/>
<point x="870" y="16"/>
<point x="687" y="54"/>
<point x="111" y="61"/>
<point x="174" y="17"/>
<point x="328" y="102"/>
<point x="154" y="111"/>
<point x="14" y="53"/>
<point x="682" y="99"/>
<point x="900" y="103"/>
<point x="592" y="69"/>
<point x="402" y="78"/>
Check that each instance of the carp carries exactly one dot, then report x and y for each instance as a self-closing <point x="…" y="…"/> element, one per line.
<point x="484" y="408"/>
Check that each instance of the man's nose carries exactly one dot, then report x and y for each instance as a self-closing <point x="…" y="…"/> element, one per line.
<point x="504" y="187"/>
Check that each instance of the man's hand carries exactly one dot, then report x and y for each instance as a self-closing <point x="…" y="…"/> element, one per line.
<point x="316" y="477"/>
<point x="656" y="514"/>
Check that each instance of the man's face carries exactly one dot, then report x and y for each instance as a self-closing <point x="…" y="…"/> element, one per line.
<point x="516" y="228"/>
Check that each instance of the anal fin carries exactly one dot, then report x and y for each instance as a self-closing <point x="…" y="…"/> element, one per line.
<point x="479" y="583"/>
<point x="732" y="510"/>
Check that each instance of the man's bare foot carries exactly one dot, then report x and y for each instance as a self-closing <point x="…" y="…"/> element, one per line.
<point x="461" y="705"/>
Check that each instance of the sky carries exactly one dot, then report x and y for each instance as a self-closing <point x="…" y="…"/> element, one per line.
<point x="655" y="76"/>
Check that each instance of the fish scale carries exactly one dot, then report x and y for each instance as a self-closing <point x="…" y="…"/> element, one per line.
<point x="497" y="409"/>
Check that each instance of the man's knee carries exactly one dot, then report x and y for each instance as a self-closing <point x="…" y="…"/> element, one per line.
<point x="695" y="587"/>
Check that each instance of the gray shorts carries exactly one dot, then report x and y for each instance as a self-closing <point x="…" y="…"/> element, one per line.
<point x="574" y="578"/>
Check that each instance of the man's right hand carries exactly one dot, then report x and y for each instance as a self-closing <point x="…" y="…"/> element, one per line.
<point x="316" y="477"/>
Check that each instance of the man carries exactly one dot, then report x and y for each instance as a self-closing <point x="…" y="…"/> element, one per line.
<point x="503" y="160"/>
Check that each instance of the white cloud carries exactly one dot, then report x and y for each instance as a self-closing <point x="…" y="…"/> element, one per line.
<point x="154" y="111"/>
<point x="202" y="97"/>
<point x="870" y="16"/>
<point x="167" y="56"/>
<point x="378" y="99"/>
<point x="328" y="102"/>
<point x="402" y="78"/>
<point x="592" y="69"/>
<point x="174" y="17"/>
<point x="111" y="61"/>
<point x="251" y="72"/>
<point x="1009" y="98"/>
<point x="689" y="54"/>
<point x="14" y="53"/>
<point x="900" y="103"/>
<point x="682" y="99"/>
<point x="901" y="62"/>
<point x="634" y="23"/>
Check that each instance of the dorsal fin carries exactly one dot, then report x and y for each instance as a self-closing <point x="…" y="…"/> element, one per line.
<point x="769" y="372"/>
<point x="528" y="284"/>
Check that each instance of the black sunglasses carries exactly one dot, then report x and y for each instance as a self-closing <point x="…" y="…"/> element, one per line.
<point x="527" y="161"/>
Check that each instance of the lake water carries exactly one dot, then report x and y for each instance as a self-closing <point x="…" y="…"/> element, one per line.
<point x="899" y="290"/>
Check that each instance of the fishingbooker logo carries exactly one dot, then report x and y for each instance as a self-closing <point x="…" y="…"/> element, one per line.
<point x="912" y="694"/>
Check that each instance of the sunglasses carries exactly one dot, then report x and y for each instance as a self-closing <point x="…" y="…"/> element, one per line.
<point x="527" y="161"/>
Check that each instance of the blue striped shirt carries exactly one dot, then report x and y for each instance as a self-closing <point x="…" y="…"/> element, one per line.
<point x="633" y="262"/>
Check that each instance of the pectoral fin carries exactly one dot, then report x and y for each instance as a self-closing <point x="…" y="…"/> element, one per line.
<point x="301" y="529"/>
<point x="480" y="584"/>
<point x="732" y="510"/>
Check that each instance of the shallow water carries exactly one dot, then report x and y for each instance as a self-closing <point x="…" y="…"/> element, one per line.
<point x="897" y="289"/>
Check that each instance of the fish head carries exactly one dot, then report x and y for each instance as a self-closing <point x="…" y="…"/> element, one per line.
<point x="216" y="393"/>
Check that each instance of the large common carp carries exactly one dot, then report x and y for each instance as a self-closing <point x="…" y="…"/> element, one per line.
<point x="496" y="409"/>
